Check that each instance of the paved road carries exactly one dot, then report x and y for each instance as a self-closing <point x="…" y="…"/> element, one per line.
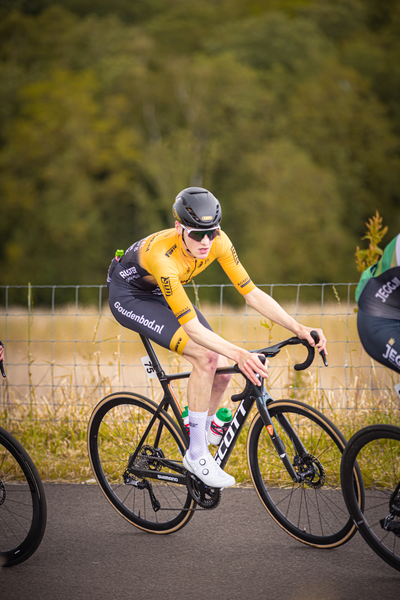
<point x="89" y="552"/>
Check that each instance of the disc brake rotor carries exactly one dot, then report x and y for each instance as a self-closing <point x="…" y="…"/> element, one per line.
<point x="310" y="470"/>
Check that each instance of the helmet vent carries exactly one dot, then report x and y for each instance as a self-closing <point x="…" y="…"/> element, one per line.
<point x="192" y="213"/>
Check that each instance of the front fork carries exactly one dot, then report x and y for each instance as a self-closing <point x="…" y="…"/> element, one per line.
<point x="263" y="399"/>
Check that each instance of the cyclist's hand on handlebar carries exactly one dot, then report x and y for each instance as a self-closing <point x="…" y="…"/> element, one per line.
<point x="305" y="334"/>
<point x="250" y="365"/>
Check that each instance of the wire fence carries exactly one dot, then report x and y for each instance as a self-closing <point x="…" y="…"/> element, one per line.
<point x="63" y="348"/>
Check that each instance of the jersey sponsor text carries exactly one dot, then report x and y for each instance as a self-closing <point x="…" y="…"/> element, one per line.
<point x="166" y="283"/>
<point x="139" y="318"/>
<point x="384" y="292"/>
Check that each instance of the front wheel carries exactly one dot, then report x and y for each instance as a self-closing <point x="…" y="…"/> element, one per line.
<point x="137" y="461"/>
<point x="23" y="509"/>
<point x="376" y="449"/>
<point x="312" y="510"/>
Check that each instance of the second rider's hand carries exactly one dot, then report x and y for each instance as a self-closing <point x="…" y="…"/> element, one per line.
<point x="250" y="365"/>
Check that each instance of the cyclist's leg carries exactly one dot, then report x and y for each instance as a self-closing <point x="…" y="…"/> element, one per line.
<point x="380" y="338"/>
<point x="205" y="389"/>
<point x="202" y="386"/>
<point x="151" y="316"/>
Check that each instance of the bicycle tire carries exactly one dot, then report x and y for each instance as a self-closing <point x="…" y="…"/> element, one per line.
<point x="115" y="429"/>
<point x="376" y="449"/>
<point x="314" y="511"/>
<point x="23" y="508"/>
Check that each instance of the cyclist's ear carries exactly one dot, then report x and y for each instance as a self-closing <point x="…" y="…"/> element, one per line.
<point x="178" y="228"/>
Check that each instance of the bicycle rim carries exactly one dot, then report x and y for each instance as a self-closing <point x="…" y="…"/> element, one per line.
<point x="23" y="510"/>
<point x="313" y="511"/>
<point x="376" y="449"/>
<point x="116" y="428"/>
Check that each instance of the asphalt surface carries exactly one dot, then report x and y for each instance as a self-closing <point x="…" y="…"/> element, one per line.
<point x="235" y="551"/>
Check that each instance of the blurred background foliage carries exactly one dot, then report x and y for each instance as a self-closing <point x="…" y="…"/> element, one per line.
<point x="288" y="110"/>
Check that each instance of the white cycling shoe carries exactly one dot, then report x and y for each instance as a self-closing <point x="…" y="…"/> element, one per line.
<point x="207" y="470"/>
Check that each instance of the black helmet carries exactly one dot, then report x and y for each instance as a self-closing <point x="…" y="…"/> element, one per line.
<point x="197" y="208"/>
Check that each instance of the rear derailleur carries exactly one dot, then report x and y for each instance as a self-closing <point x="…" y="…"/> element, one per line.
<point x="141" y="485"/>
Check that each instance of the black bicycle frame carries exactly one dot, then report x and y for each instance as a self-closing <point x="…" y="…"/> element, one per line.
<point x="248" y="397"/>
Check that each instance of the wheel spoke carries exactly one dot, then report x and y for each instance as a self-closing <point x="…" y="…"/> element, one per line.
<point x="312" y="510"/>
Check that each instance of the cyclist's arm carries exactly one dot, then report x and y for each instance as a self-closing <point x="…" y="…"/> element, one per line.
<point x="269" y="308"/>
<point x="248" y="362"/>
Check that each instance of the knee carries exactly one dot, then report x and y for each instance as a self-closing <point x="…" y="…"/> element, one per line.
<point x="205" y="360"/>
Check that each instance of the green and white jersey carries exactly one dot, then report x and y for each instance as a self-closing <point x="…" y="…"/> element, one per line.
<point x="378" y="292"/>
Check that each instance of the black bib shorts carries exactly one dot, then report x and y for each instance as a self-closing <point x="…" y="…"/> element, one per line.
<point x="146" y="313"/>
<point x="378" y="318"/>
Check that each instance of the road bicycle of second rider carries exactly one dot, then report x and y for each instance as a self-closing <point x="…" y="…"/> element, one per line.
<point x="136" y="447"/>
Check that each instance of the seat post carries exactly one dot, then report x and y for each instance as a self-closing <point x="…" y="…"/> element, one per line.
<point x="153" y="356"/>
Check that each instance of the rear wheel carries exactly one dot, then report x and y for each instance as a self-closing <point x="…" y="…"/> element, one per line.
<point x="149" y="489"/>
<point x="376" y="450"/>
<point x="23" y="510"/>
<point x="311" y="510"/>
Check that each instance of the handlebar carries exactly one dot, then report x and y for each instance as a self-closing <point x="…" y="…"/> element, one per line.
<point x="293" y="341"/>
<point x="1" y="363"/>
<point x="276" y="348"/>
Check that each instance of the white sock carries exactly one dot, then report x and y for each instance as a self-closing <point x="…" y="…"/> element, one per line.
<point x="209" y="420"/>
<point x="197" y="424"/>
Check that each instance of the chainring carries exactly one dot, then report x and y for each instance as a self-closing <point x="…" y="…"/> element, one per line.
<point x="203" y="495"/>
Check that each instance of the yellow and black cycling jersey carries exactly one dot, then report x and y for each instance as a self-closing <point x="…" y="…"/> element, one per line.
<point x="160" y="264"/>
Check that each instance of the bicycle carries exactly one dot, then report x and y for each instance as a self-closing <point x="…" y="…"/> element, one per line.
<point x="136" y="448"/>
<point x="376" y="451"/>
<point x="23" y="508"/>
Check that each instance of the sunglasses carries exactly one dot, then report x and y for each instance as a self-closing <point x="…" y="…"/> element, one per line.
<point x="198" y="234"/>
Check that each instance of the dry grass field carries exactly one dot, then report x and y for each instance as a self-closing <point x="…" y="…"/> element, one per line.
<point x="60" y="364"/>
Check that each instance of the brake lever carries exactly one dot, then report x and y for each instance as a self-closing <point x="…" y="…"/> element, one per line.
<point x="322" y="353"/>
<point x="311" y="353"/>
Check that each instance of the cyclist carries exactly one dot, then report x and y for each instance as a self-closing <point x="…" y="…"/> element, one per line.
<point x="146" y="295"/>
<point x="378" y="299"/>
